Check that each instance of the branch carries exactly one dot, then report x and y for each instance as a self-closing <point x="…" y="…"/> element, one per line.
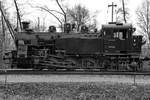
<point x="60" y="7"/>
<point x="141" y="18"/>
<point x="56" y="11"/>
<point x="49" y="11"/>
<point x="51" y="14"/>
<point x="62" y="10"/>
<point x="18" y="15"/>
<point x="124" y="14"/>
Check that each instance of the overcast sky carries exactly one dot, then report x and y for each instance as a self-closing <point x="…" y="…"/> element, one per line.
<point x="99" y="6"/>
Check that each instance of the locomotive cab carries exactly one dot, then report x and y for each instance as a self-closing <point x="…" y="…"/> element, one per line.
<point x="118" y="38"/>
<point x="121" y="47"/>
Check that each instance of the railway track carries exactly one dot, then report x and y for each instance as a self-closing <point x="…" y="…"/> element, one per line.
<point x="64" y="72"/>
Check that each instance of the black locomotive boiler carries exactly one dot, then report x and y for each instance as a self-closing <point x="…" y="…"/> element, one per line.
<point x="113" y="48"/>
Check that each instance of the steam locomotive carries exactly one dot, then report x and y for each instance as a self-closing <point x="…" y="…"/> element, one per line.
<point x="113" y="48"/>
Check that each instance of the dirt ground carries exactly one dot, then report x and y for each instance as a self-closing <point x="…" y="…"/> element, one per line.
<point x="125" y="79"/>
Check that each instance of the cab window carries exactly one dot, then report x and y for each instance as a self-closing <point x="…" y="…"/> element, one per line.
<point x="108" y="33"/>
<point x="120" y="34"/>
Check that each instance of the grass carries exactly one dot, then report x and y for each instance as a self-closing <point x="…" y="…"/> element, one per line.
<point x="74" y="91"/>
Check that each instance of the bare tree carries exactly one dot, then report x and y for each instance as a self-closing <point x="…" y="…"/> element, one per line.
<point x="53" y="12"/>
<point x="80" y="16"/>
<point x="143" y="17"/>
<point x="45" y="8"/>
<point x="7" y="27"/>
<point x="38" y="25"/>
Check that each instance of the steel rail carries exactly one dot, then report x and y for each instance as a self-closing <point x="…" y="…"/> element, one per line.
<point x="64" y="72"/>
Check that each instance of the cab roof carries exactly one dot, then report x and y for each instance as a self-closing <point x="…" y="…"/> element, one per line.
<point x="116" y="26"/>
